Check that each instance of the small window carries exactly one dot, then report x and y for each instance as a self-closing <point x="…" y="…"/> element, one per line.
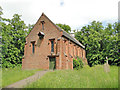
<point x="82" y="53"/>
<point x="65" y="46"/>
<point x="74" y="51"/>
<point x="52" y="46"/>
<point x="42" y="25"/>
<point x="33" y="47"/>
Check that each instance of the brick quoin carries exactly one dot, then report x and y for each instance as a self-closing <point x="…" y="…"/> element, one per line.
<point x="37" y="50"/>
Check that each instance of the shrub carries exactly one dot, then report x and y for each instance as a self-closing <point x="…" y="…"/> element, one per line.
<point x="77" y="64"/>
<point x="80" y="62"/>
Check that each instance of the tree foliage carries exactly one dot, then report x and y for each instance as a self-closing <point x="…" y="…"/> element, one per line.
<point x="78" y="64"/>
<point x="101" y="43"/>
<point x="65" y="27"/>
<point x="1" y="12"/>
<point x="13" y="40"/>
<point x="0" y="20"/>
<point x="0" y="34"/>
<point x="30" y="26"/>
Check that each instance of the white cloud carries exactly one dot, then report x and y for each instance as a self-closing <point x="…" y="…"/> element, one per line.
<point x="75" y="13"/>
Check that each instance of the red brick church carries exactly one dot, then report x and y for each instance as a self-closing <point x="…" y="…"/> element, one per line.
<point x="49" y="47"/>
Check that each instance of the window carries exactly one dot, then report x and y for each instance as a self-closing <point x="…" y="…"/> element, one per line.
<point x="82" y="52"/>
<point x="74" y="50"/>
<point x="66" y="51"/>
<point x="52" y="46"/>
<point x="33" y="47"/>
<point x="65" y="46"/>
<point x="78" y="51"/>
<point x="42" y="25"/>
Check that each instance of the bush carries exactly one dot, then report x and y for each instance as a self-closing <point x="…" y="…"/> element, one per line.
<point x="77" y="64"/>
<point x="80" y="62"/>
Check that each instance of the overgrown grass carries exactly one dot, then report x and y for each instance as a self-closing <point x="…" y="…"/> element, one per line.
<point x="12" y="75"/>
<point x="87" y="77"/>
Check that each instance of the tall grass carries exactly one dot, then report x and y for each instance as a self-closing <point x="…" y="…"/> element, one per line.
<point x="0" y="77"/>
<point x="88" y="77"/>
<point x="12" y="75"/>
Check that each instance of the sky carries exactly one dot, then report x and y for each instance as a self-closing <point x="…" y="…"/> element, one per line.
<point x="75" y="13"/>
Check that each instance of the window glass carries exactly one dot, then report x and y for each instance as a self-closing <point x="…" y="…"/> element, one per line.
<point x="33" y="47"/>
<point x="42" y="26"/>
<point x="52" y="46"/>
<point x="65" y="46"/>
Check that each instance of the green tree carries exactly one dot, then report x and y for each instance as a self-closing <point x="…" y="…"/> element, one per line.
<point x="1" y="12"/>
<point x="1" y="20"/>
<point x="13" y="40"/>
<point x="100" y="42"/>
<point x="0" y="34"/>
<point x="30" y="27"/>
<point x="65" y="27"/>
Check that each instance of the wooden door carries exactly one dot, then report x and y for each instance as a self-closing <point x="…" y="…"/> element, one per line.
<point x="52" y="63"/>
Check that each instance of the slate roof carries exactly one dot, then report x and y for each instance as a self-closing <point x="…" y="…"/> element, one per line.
<point x="70" y="37"/>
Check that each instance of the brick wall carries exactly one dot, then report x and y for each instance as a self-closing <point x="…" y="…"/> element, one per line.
<point x="40" y="58"/>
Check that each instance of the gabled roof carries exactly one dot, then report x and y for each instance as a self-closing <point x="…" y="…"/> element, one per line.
<point x="64" y="33"/>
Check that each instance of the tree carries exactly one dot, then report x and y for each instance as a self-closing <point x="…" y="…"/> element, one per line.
<point x="13" y="40"/>
<point x="110" y="43"/>
<point x="100" y="43"/>
<point x="65" y="27"/>
<point x="0" y="19"/>
<point x="30" y="27"/>
<point x="0" y="34"/>
<point x="1" y="12"/>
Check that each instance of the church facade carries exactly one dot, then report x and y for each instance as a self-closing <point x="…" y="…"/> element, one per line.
<point x="50" y="47"/>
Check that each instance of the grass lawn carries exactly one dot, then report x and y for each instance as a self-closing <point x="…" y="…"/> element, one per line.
<point x="10" y="76"/>
<point x="87" y="77"/>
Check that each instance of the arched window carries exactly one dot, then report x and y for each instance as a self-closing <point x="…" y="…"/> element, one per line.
<point x="42" y="24"/>
<point x="52" y="46"/>
<point x="33" y="47"/>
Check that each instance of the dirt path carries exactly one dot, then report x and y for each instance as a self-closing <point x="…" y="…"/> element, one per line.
<point x="24" y="82"/>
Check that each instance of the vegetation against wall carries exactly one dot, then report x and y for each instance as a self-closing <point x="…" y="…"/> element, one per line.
<point x="77" y="64"/>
